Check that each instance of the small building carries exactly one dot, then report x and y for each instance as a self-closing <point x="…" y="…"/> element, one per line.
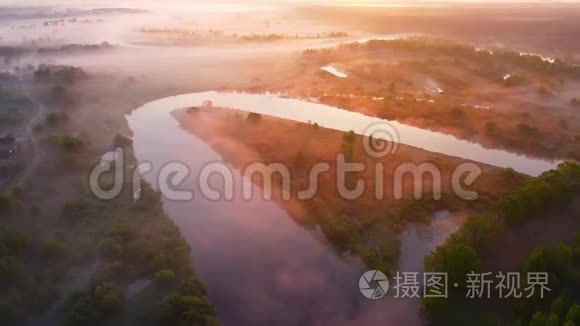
<point x="7" y="147"/>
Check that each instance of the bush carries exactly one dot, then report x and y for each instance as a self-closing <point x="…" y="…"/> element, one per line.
<point x="6" y="204"/>
<point x="122" y="141"/>
<point x="254" y="118"/>
<point x="53" y="118"/>
<point x="178" y="310"/>
<point x="165" y="277"/>
<point x="573" y="314"/>
<point x="71" y="144"/>
<point x="192" y="286"/>
<point x="478" y="232"/>
<point x="527" y="130"/>
<point x="10" y="269"/>
<point x="94" y="306"/>
<point x="11" y="313"/>
<point x="490" y="128"/>
<point x="457" y="260"/>
<point x="52" y="249"/>
<point x="68" y="144"/>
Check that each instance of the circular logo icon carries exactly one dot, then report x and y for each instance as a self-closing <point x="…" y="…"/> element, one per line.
<point x="381" y="139"/>
<point x="373" y="284"/>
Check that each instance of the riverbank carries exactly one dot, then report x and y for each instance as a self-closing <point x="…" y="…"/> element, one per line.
<point x="299" y="146"/>
<point x="69" y="257"/>
<point x="497" y="98"/>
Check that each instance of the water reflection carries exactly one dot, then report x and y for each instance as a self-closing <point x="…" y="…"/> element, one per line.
<point x="261" y="268"/>
<point x="339" y="119"/>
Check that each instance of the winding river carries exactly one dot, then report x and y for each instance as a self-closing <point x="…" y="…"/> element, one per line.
<point x="260" y="267"/>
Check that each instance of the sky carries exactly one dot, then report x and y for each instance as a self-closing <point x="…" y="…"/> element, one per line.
<point x="344" y="2"/>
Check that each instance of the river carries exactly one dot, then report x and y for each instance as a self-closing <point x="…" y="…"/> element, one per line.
<point x="260" y="267"/>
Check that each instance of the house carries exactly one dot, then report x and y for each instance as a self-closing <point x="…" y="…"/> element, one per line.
<point x="7" y="147"/>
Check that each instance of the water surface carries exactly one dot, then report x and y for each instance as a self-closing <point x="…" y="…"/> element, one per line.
<point x="340" y="119"/>
<point x="332" y="70"/>
<point x="262" y="268"/>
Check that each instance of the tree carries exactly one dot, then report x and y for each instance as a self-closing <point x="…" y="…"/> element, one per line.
<point x="490" y="128"/>
<point x="479" y="232"/>
<point x="109" y="298"/>
<point x="6" y="204"/>
<point x="165" y="277"/>
<point x="537" y="261"/>
<point x="192" y="286"/>
<point x="178" y="310"/>
<point x="10" y="269"/>
<point x="93" y="306"/>
<point x="538" y="319"/>
<point x="72" y="144"/>
<point x="552" y="320"/>
<point x="254" y="118"/>
<point x="122" y="141"/>
<point x="573" y="314"/>
<point x="457" y="260"/>
<point x="54" y="250"/>
<point x="80" y="310"/>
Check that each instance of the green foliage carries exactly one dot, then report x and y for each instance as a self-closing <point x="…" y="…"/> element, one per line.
<point x="12" y="243"/>
<point x="93" y="306"/>
<point x="551" y="189"/>
<point x="6" y="204"/>
<point x="15" y="107"/>
<point x="11" y="269"/>
<point x="11" y="313"/>
<point x="539" y="319"/>
<point x="54" y="118"/>
<point x="184" y="310"/>
<point x="337" y="230"/>
<point x="349" y="137"/>
<point x="528" y="131"/>
<point x="54" y="250"/>
<point x="65" y="74"/>
<point x="478" y="232"/>
<point x="457" y="260"/>
<point x="348" y="140"/>
<point x="192" y="286"/>
<point x="165" y="277"/>
<point x="12" y="246"/>
<point x="462" y="251"/>
<point x="558" y="306"/>
<point x="573" y="314"/>
<point x="109" y="298"/>
<point x="69" y="144"/>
